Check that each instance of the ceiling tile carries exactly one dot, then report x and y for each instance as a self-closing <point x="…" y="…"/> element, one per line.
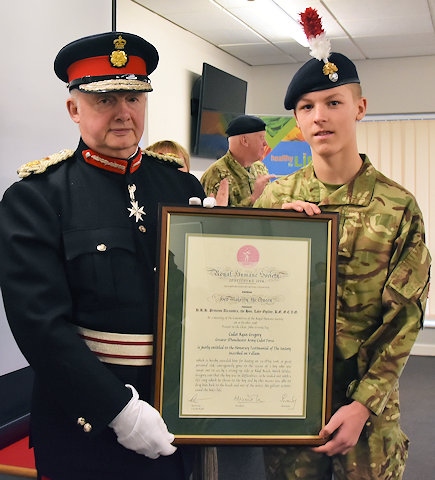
<point x="265" y="54"/>
<point x="359" y="29"/>
<point x="393" y="47"/>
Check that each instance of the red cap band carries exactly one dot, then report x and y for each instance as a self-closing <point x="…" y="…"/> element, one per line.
<point x="100" y="66"/>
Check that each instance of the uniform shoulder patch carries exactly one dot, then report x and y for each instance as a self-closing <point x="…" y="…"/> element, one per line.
<point x="170" y="158"/>
<point x="40" y="166"/>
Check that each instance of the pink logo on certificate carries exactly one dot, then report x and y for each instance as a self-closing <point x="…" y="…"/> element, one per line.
<point x="248" y="256"/>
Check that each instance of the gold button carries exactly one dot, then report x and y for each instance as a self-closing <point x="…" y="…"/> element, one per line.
<point x="101" y="247"/>
<point x="81" y="421"/>
<point x="142" y="229"/>
<point x="87" y="427"/>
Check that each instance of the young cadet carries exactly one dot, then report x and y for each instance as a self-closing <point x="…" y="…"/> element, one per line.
<point x="78" y="238"/>
<point x="383" y="275"/>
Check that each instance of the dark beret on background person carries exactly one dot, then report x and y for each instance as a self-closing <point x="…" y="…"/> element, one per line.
<point x="245" y="124"/>
<point x="241" y="168"/>
<point x="78" y="239"/>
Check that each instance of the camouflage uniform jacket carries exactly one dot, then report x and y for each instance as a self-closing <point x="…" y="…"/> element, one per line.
<point x="241" y="180"/>
<point x="383" y="275"/>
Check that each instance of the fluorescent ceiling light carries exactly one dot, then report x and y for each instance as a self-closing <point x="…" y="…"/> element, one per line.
<point x="265" y="18"/>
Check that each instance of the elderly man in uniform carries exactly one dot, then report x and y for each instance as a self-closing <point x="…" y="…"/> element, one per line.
<point x="78" y="239"/>
<point x="241" y="167"/>
<point x="383" y="279"/>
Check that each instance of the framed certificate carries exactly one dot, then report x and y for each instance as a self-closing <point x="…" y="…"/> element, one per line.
<point x="245" y="324"/>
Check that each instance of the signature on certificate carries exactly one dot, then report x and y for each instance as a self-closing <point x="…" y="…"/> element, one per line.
<point x="196" y="398"/>
<point x="288" y="400"/>
<point x="248" y="398"/>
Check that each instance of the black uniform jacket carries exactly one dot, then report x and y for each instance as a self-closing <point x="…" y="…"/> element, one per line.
<point x="55" y="275"/>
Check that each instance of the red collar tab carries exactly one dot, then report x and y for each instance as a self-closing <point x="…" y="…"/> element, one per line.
<point x="111" y="164"/>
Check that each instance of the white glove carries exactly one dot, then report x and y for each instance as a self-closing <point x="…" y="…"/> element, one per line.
<point x="194" y="201"/>
<point x="209" y="202"/>
<point x="140" y="427"/>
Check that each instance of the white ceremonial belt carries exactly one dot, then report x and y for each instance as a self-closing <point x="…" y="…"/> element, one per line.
<point x="119" y="348"/>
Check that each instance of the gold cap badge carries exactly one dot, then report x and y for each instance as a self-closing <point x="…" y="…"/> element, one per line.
<point x="118" y="58"/>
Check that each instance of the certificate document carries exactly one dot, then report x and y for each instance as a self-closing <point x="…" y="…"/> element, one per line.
<point x="244" y="344"/>
<point x="245" y="326"/>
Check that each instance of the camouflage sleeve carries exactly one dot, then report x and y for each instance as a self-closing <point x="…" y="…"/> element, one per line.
<point x="274" y="195"/>
<point x="210" y="181"/>
<point x="384" y="354"/>
<point x="260" y="169"/>
<point x="245" y="202"/>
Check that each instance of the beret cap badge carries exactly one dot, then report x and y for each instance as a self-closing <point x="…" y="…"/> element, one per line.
<point x="118" y="58"/>
<point x="331" y="69"/>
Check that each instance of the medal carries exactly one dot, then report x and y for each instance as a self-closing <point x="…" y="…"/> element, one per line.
<point x="135" y="210"/>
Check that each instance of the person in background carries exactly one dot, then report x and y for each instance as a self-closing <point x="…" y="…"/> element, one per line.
<point x="383" y="279"/>
<point x="241" y="165"/>
<point x="78" y="239"/>
<point x="177" y="153"/>
<point x="171" y="148"/>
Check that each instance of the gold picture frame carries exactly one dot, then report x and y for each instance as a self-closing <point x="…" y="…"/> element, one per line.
<point x="245" y="324"/>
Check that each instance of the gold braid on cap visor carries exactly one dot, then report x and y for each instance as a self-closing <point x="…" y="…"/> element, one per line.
<point x="124" y="83"/>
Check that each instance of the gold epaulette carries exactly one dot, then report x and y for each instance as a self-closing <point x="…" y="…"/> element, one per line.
<point x="40" y="166"/>
<point x="167" y="157"/>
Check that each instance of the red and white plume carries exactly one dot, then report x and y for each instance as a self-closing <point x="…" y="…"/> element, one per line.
<point x="320" y="46"/>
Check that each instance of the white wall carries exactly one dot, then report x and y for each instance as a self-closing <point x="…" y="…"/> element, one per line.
<point x="33" y="120"/>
